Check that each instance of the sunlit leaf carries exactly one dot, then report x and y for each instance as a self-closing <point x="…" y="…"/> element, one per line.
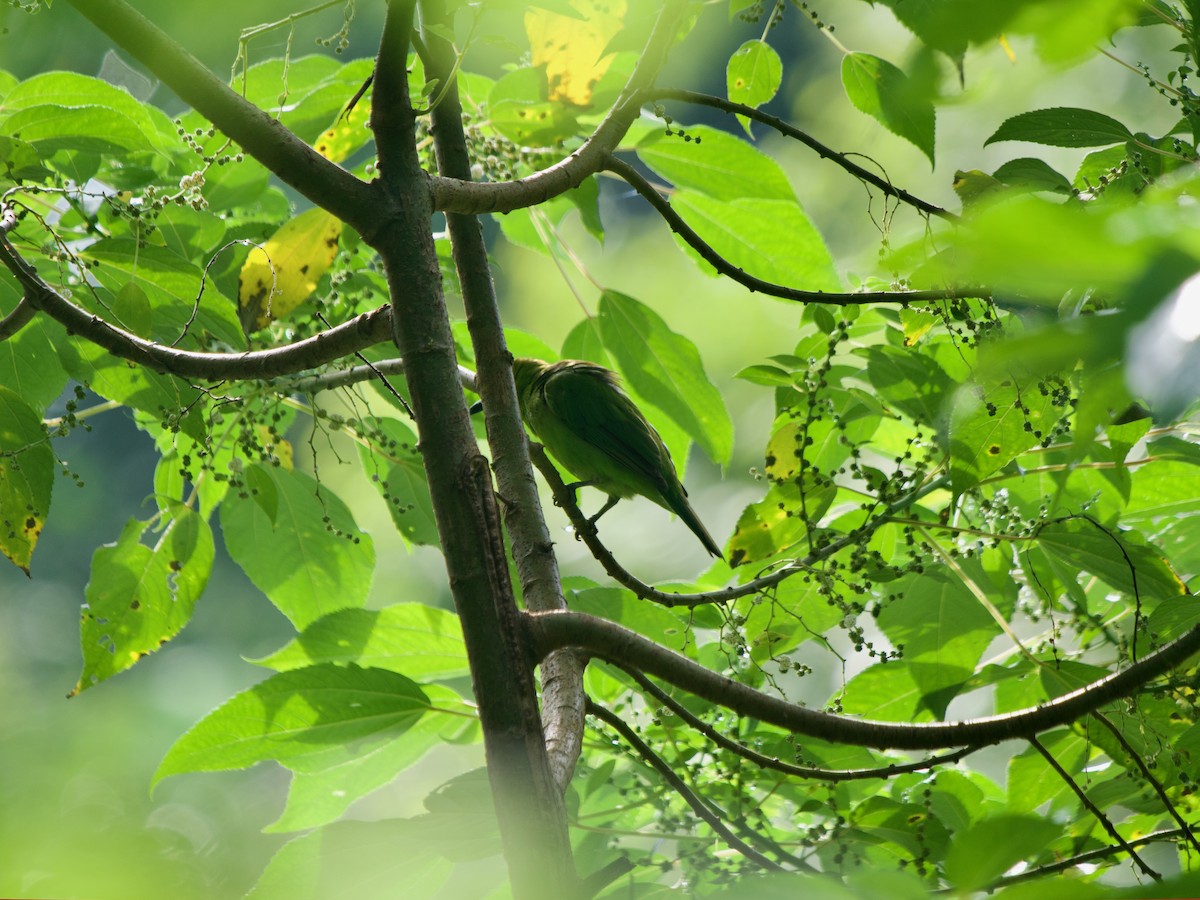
<point x="307" y="564"/>
<point x="753" y="75"/>
<point x="297" y="715"/>
<point x="885" y="93"/>
<point x="993" y="846"/>
<point x="322" y="793"/>
<point x="283" y="273"/>
<point x="26" y="478"/>
<point x="141" y="595"/>
<point x="665" y="368"/>
<point x="410" y="638"/>
<point x="573" y="49"/>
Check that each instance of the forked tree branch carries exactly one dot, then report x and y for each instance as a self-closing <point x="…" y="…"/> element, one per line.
<point x="537" y="567"/>
<point x="460" y="196"/>
<point x="628" y="650"/>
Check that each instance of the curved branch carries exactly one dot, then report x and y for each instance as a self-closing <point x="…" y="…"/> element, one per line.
<point x="1091" y="807"/>
<point x="22" y="314"/>
<point x="460" y="196"/>
<point x="266" y="139"/>
<point x="1154" y="783"/>
<point x="699" y="807"/>
<point x="360" y="332"/>
<point x="586" y="532"/>
<point x="778" y="765"/>
<point x="740" y="109"/>
<point x="627" y="649"/>
<point x="758" y="285"/>
<point x="1062" y="865"/>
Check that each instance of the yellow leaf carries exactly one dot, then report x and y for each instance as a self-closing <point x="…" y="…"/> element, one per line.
<point x="346" y="134"/>
<point x="282" y="273"/>
<point x="573" y="49"/>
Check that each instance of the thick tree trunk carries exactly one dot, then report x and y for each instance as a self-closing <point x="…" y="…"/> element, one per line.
<point x="529" y="807"/>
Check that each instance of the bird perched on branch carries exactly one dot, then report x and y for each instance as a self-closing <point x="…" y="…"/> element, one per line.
<point x="579" y="411"/>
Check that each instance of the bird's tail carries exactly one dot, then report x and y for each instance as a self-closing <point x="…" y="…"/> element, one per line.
<point x="683" y="509"/>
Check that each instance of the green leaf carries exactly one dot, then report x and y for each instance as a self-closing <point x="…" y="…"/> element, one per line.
<point x="95" y="129"/>
<point x="775" y="525"/>
<point x="1174" y="617"/>
<point x="718" y="165"/>
<point x="1031" y="780"/>
<point x="26" y="478"/>
<point x="884" y="92"/>
<point x="20" y="161"/>
<point x="131" y="307"/>
<point x="29" y="360"/>
<point x="993" y="846"/>
<point x="909" y="380"/>
<point x="887" y="692"/>
<point x="321" y="795"/>
<point x="181" y="301"/>
<point x="395" y="467"/>
<point x="665" y="368"/>
<point x="520" y="111"/>
<point x="770" y="239"/>
<point x="139" y="597"/>
<point x="753" y="75"/>
<point x="160" y="397"/>
<point x="410" y="638"/>
<point x="1034" y="174"/>
<point x="315" y="712"/>
<point x="306" y="567"/>
<point x="1121" y="559"/>
<point x="67" y="90"/>
<point x="1062" y="126"/>
<point x="621" y="606"/>
<point x="943" y="630"/>
<point x="990" y="425"/>
<point x="364" y="860"/>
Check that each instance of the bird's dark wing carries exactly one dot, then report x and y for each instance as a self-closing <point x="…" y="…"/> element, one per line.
<point x="589" y="401"/>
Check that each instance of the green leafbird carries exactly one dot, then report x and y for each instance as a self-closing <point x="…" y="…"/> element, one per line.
<point x="578" y="410"/>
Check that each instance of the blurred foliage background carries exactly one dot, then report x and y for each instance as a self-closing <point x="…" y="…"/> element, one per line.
<point x="76" y="818"/>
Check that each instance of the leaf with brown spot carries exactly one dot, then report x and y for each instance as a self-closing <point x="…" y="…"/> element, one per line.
<point x="283" y="273"/>
<point x="26" y="478"/>
<point x="140" y="596"/>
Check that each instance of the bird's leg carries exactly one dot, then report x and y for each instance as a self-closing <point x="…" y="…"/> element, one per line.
<point x="574" y="487"/>
<point x="611" y="502"/>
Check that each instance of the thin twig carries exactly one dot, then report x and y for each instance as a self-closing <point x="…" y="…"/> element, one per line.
<point x="808" y="140"/>
<point x="778" y="765"/>
<point x="587" y="533"/>
<point x="699" y="807"/>
<point x="663" y="207"/>
<point x="1092" y="808"/>
<point x="1149" y="776"/>
<point x="1071" y="862"/>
